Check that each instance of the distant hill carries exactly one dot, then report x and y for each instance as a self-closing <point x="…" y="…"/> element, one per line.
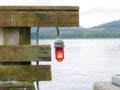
<point x="51" y="32"/>
<point x="113" y="24"/>
<point x="106" y="30"/>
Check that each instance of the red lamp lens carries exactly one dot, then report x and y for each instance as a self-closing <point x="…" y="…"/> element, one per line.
<point x="59" y="52"/>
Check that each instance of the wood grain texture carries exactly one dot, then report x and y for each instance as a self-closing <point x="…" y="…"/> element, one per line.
<point x="13" y="85"/>
<point x="25" y="73"/>
<point x="25" y="36"/>
<point x="39" y="8"/>
<point x="39" y="18"/>
<point x="21" y="53"/>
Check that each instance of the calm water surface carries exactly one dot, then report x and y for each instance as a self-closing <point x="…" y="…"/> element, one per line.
<point x="86" y="61"/>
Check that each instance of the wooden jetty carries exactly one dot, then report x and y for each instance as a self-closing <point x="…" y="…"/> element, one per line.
<point x="16" y="53"/>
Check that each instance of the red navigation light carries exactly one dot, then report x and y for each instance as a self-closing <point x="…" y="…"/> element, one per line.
<point x="59" y="53"/>
<point x="59" y="50"/>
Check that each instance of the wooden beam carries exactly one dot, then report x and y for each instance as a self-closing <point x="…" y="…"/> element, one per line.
<point x="11" y="85"/>
<point x="25" y="73"/>
<point x="39" y="8"/>
<point x="39" y="16"/>
<point x="24" y="53"/>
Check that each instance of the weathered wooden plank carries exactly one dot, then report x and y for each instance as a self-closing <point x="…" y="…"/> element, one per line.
<point x="15" y="63"/>
<point x="25" y="73"/>
<point x="15" y="85"/>
<point x="21" y="53"/>
<point x="39" y="8"/>
<point x="38" y="18"/>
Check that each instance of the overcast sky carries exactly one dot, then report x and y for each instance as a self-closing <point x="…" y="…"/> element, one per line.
<point x="92" y="12"/>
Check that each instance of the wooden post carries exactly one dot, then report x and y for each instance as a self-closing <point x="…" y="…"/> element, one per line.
<point x="1" y="36"/>
<point x="16" y="51"/>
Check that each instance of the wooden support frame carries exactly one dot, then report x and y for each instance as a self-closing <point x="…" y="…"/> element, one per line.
<point x="16" y="54"/>
<point x="15" y="49"/>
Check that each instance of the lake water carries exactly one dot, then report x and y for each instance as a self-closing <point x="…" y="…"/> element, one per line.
<point x="86" y="61"/>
